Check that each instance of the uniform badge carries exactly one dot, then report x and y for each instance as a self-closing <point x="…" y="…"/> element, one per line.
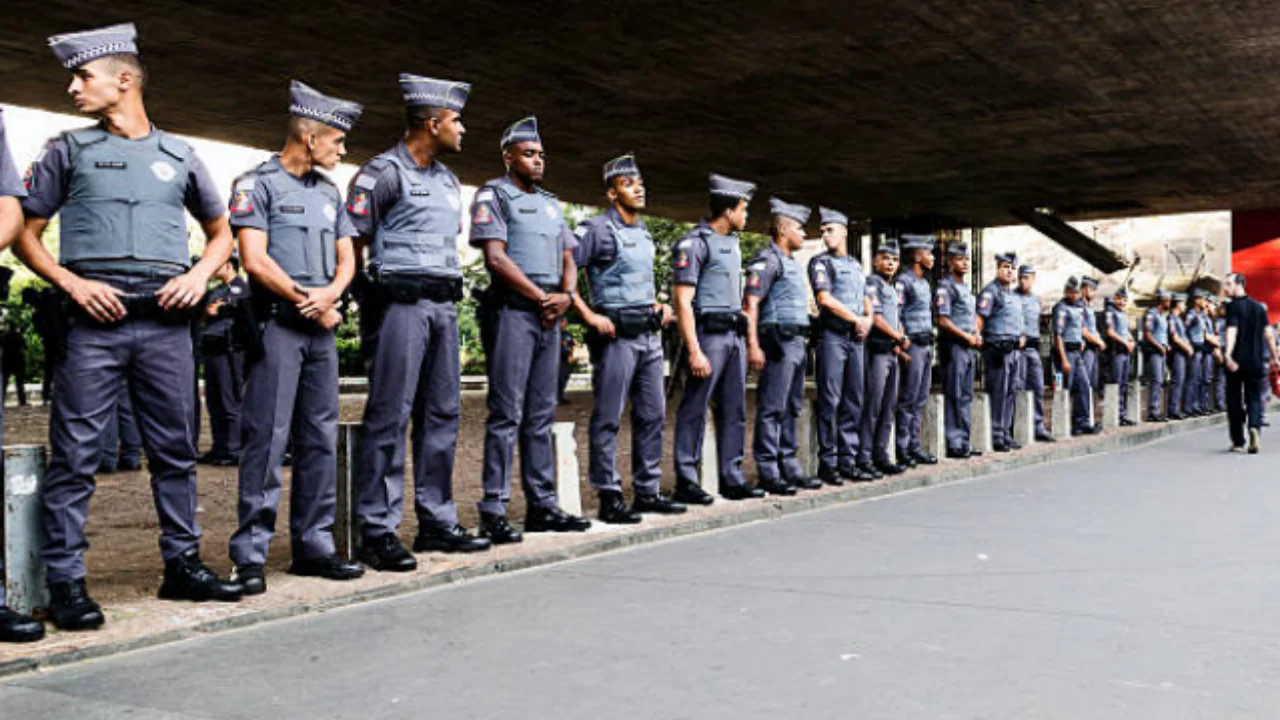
<point x="358" y="205"/>
<point x="819" y="276"/>
<point x="682" y="259"/>
<point x="551" y="211"/>
<point x="984" y="301"/>
<point x="482" y="215"/>
<point x="368" y="182"/>
<point x="29" y="179"/>
<point x="329" y="213"/>
<point x="242" y="202"/>
<point x="753" y="280"/>
<point x="163" y="171"/>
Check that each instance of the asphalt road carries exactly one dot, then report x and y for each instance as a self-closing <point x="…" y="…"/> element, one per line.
<point x="1134" y="585"/>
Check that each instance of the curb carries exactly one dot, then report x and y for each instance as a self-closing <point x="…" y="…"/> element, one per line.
<point x="770" y="509"/>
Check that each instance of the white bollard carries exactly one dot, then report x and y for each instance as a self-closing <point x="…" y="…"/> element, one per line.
<point x="1024" y="418"/>
<point x="1061" y="414"/>
<point x="980" y="423"/>
<point x="1134" y="406"/>
<point x="933" y="429"/>
<point x="346" y="533"/>
<point x="565" y="447"/>
<point x="709" y="463"/>
<point x="1110" y="406"/>
<point x="807" y="438"/>
<point x="23" y="534"/>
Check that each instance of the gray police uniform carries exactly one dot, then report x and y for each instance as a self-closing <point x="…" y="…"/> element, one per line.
<point x="882" y="375"/>
<point x="619" y="259"/>
<point x="121" y="438"/>
<point x="524" y="359"/>
<point x="782" y="326"/>
<point x="222" y="351"/>
<point x="957" y="302"/>
<point x="1068" y="324"/>
<point x="1219" y="369"/>
<point x="1178" y="362"/>
<point x="1196" y="385"/>
<point x="412" y="216"/>
<point x="1090" y="353"/>
<point x="122" y="222"/>
<point x="913" y="392"/>
<point x="1002" y="326"/>
<point x="1118" y="323"/>
<point x="712" y="263"/>
<point x="1156" y="333"/>
<point x="840" y="362"/>
<point x="293" y="388"/>
<point x="10" y="186"/>
<point x="1031" y="365"/>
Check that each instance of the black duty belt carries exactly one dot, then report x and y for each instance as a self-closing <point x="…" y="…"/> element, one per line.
<point x="923" y="338"/>
<point x="633" y="324"/>
<point x="141" y="306"/>
<point x="286" y="314"/>
<point x="410" y="289"/>
<point x="720" y="323"/>
<point x="1073" y="346"/>
<point x="516" y="301"/>
<point x="784" y="331"/>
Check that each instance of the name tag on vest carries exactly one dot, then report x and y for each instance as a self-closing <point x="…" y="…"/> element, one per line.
<point x="293" y="209"/>
<point x="419" y="192"/>
<point x="111" y="164"/>
<point x="528" y="211"/>
<point x="726" y="251"/>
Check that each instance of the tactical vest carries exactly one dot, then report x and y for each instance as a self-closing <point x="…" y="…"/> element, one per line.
<point x="1005" y="320"/>
<point x="889" y="307"/>
<point x="1195" y="328"/>
<point x="533" y="234"/>
<point x="419" y="235"/>
<point x="1072" y="330"/>
<point x="786" y="303"/>
<point x="917" y="316"/>
<point x="847" y="283"/>
<point x="1118" y="321"/>
<point x="1176" y="328"/>
<point x="1030" y="304"/>
<point x="719" y="286"/>
<point x="1159" y="332"/>
<point x="627" y="282"/>
<point x="1090" y="320"/>
<point x="125" y="199"/>
<point x="964" y="312"/>
<point x="301" y="226"/>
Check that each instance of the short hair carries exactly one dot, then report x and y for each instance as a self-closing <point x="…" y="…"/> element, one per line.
<point x="417" y="116"/>
<point x="132" y="63"/>
<point x="720" y="204"/>
<point x="300" y="127"/>
<point x="1237" y="278"/>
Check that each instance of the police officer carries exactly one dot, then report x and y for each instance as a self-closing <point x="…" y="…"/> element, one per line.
<point x="1197" y="381"/>
<point x="623" y="321"/>
<point x="1213" y="342"/>
<point x="14" y="626"/>
<point x="912" y="285"/>
<point x="1219" y="389"/>
<point x="844" y="318"/>
<point x="1121" y="347"/>
<point x="1155" y="338"/>
<point x="222" y="350"/>
<point x="1093" y="340"/>
<point x="706" y="274"/>
<point x="121" y="187"/>
<point x="1180" y="357"/>
<point x="1068" y="346"/>
<point x="1030" y="364"/>
<point x="1000" y="322"/>
<point x="957" y="337"/>
<point x="886" y="344"/>
<point x="777" y="309"/>
<point x="406" y="205"/>
<point x="528" y="250"/>
<point x="297" y="250"/>
<point x="121" y="439"/>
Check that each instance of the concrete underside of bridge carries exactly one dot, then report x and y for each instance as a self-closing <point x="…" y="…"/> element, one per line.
<point x="948" y="112"/>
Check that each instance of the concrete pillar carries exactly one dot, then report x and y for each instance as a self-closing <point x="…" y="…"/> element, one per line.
<point x="1024" y="418"/>
<point x="1110" y="406"/>
<point x="807" y="438"/>
<point x="1061" y="413"/>
<point x="1134" y="406"/>
<point x="346" y="530"/>
<point x="568" y="488"/>
<point x="23" y="534"/>
<point x="933" y="429"/>
<point x="709" y="463"/>
<point x="980" y="423"/>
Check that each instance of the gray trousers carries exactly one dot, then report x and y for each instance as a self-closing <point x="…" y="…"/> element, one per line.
<point x="779" y="398"/>
<point x="1001" y="369"/>
<point x="1120" y="374"/>
<point x="913" y="396"/>
<point x="1031" y="375"/>
<point x="725" y="392"/>
<point x="628" y="369"/>
<point x="1077" y="382"/>
<point x="221" y="373"/>
<point x="841" y="381"/>
<point x="121" y="437"/>
<point x="1206" y="378"/>
<point x="1177" y="381"/>
<point x="155" y="362"/>
<point x="1089" y="355"/>
<point x="292" y="390"/>
<point x="877" y="414"/>
<point x="957" y="391"/>
<point x="415" y="375"/>
<point x="1195" y="382"/>
<point x="1155" y="382"/>
<point x="1219" y="386"/>
<point x="523" y="369"/>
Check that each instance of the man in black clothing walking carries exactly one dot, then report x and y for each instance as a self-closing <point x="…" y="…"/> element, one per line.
<point x="1248" y="339"/>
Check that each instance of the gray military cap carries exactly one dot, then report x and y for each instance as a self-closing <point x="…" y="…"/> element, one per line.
<point x="307" y="102"/>
<point x="419" y="91"/>
<point x="1071" y="284"/>
<point x="1164" y="295"/>
<point x="1199" y="293"/>
<point x="1123" y="292"/>
<point x="621" y="166"/>
<point x="958" y="249"/>
<point x="917" y="242"/>
<point x="888" y="247"/>
<point x="1086" y="281"/>
<point x="1007" y="257"/>
<point x="832" y="217"/>
<point x="525" y="130"/>
<point x="76" y="49"/>
<point x="1026" y="269"/>
<point x="1179" y="297"/>
<point x="799" y="213"/>
<point x="728" y="187"/>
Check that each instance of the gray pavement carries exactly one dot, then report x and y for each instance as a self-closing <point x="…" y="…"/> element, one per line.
<point x="1142" y="584"/>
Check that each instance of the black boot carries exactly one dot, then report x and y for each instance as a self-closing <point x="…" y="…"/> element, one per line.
<point x="71" y="608"/>
<point x="692" y="494"/>
<point x="775" y="487"/>
<point x="330" y="567"/>
<point x="252" y="579"/>
<point x="923" y="458"/>
<point x="553" y="519"/>
<point x="384" y="553"/>
<point x="741" y="492"/>
<point x="871" y="470"/>
<point x="18" y="628"/>
<point x="657" y="504"/>
<point x="614" y="511"/>
<point x="186" y="578"/>
<point x="454" y="539"/>
<point x="496" y="528"/>
<point x="829" y="476"/>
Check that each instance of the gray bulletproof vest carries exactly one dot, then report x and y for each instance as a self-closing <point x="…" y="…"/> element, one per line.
<point x="533" y="234"/>
<point x="1159" y="326"/>
<point x="1176" y="328"/>
<point x="1195" y="328"/>
<point x="786" y="303"/>
<point x="847" y="283"/>
<point x="917" y="316"/>
<point x="1005" y="320"/>
<point x="1072" y="331"/>
<point x="964" y="314"/>
<point x="1030" y="304"/>
<point x="720" y="281"/>
<point x="419" y="235"/>
<point x="627" y="282"/>
<point x="125" y="199"/>
<point x="889" y="308"/>
<point x="1118" y="321"/>
<point x="301" y="227"/>
<point x="1090" y="320"/>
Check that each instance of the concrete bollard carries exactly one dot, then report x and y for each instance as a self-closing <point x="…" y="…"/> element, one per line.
<point x="1024" y="419"/>
<point x="980" y="423"/>
<point x="1134" y="404"/>
<point x="1110" y="406"/>
<point x="709" y="463"/>
<point x="807" y="438"/>
<point x="933" y="428"/>
<point x="346" y="533"/>
<point x="1061" y="414"/>
<point x="23" y="535"/>
<point x="568" y="487"/>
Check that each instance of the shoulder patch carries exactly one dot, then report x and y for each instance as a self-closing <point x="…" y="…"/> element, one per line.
<point x="366" y="181"/>
<point x="484" y="194"/>
<point x="358" y="204"/>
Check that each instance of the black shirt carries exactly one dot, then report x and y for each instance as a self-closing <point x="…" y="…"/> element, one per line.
<point x="1249" y="319"/>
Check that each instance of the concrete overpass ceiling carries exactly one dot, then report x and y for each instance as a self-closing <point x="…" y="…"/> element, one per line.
<point x="885" y="109"/>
